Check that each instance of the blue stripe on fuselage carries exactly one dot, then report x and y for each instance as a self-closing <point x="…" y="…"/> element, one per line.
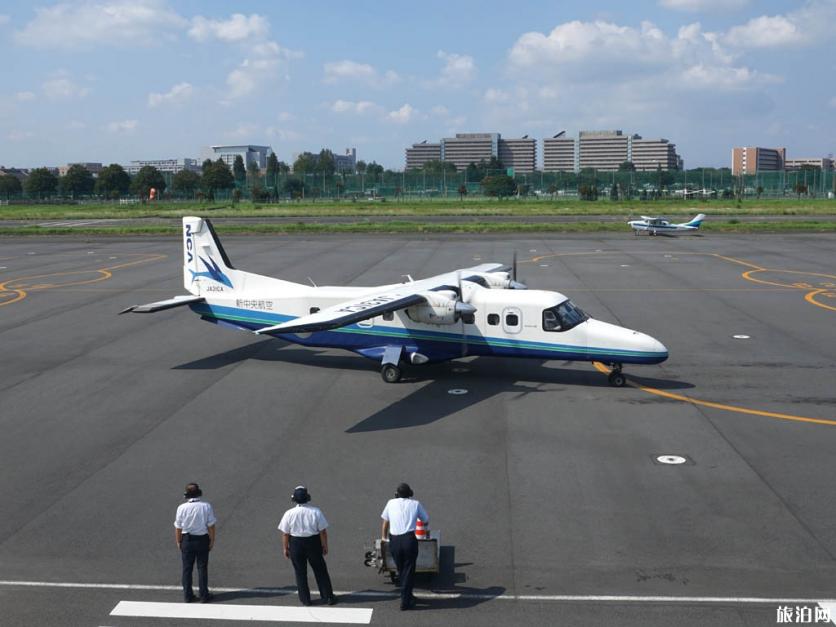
<point x="436" y="345"/>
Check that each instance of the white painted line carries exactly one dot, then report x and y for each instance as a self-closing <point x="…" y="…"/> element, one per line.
<point x="613" y="598"/>
<point x="740" y="336"/>
<point x="457" y="391"/>
<point x="671" y="459"/>
<point x="218" y="611"/>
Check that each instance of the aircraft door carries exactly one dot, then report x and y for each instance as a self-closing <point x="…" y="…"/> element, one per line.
<point x="512" y="320"/>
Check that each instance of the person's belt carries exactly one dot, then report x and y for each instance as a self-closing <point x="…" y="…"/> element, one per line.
<point x="196" y="535"/>
<point x="401" y="535"/>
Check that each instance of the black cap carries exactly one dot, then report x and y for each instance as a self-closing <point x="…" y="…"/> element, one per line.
<point x="403" y="491"/>
<point x="300" y="495"/>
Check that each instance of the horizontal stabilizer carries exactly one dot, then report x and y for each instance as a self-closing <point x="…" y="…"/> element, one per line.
<point x="177" y="301"/>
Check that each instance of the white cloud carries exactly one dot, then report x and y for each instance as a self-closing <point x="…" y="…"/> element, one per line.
<point x="76" y="125"/>
<point x="348" y="106"/>
<point x="61" y="87"/>
<point x="351" y="71"/>
<point x="440" y="110"/>
<point x="244" y="131"/>
<point x="19" y="136"/>
<point x="703" y="6"/>
<point x="402" y="115"/>
<point x="125" y="127"/>
<point x="458" y="68"/>
<point x="284" y="135"/>
<point x="92" y="24"/>
<point x="700" y="76"/>
<point x="266" y="64"/>
<point x="4" y="19"/>
<point x="237" y="28"/>
<point x="833" y="102"/>
<point x="807" y="25"/>
<point x="177" y="95"/>
<point x="493" y="96"/>
<point x="24" y="96"/>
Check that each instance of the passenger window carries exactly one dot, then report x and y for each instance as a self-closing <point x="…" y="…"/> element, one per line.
<point x="314" y="310"/>
<point x="389" y="316"/>
<point x="550" y="321"/>
<point x="493" y="319"/>
<point x="512" y="320"/>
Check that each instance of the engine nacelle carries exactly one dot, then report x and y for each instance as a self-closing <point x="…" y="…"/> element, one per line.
<point x="498" y="281"/>
<point x="441" y="308"/>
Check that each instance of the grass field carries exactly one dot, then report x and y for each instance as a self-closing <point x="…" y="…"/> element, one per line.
<point x="449" y="207"/>
<point x="407" y="227"/>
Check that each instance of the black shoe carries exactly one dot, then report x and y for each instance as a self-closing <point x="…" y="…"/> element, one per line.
<point x="332" y="600"/>
<point x="190" y="599"/>
<point x="409" y="605"/>
<point x="305" y="603"/>
<point x="207" y="599"/>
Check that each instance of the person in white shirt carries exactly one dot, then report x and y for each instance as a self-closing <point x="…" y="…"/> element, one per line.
<point x="399" y="521"/>
<point x="194" y="532"/>
<point x="304" y="540"/>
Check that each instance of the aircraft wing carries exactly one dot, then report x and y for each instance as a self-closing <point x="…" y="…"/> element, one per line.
<point x="177" y="301"/>
<point x="649" y="218"/>
<point x="376" y="303"/>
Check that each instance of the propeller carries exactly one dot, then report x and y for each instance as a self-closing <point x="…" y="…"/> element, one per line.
<point x="514" y="284"/>
<point x="463" y="308"/>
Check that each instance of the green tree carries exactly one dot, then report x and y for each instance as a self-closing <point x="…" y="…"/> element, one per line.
<point x="627" y="166"/>
<point x="113" y="181"/>
<point x="305" y="163"/>
<point x="185" y="182"/>
<point x="613" y="192"/>
<point x="361" y="167"/>
<point x="552" y="190"/>
<point x="78" y="181"/>
<point x="216" y="176"/>
<point x="272" y="167"/>
<point x="462" y="191"/>
<point x="325" y="162"/>
<point x="147" y="177"/>
<point x="238" y="169"/>
<point x="438" y="168"/>
<point x="500" y="185"/>
<point x="374" y="170"/>
<point x="40" y="182"/>
<point x="588" y="191"/>
<point x="294" y="186"/>
<point x="9" y="185"/>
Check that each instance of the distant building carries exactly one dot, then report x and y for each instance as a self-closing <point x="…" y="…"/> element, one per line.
<point x="346" y="162"/>
<point x="18" y="173"/>
<point x="653" y="154"/>
<point x="467" y="148"/>
<point x="559" y="154"/>
<point x="172" y="166"/>
<point x="519" y="154"/>
<point x="754" y="159"/>
<point x="421" y="153"/>
<point x="603" y="150"/>
<point x="248" y="153"/>
<point x="91" y="167"/>
<point x="824" y="163"/>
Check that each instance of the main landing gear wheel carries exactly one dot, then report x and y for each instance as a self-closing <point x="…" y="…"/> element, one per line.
<point x="390" y="373"/>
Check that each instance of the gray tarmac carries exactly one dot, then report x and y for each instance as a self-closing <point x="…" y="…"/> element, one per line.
<point x="542" y="479"/>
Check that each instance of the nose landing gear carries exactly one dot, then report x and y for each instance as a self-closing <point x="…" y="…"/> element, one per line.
<point x="616" y="377"/>
<point x="390" y="373"/>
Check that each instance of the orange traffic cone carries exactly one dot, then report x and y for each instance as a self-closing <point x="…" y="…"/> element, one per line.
<point x="420" y="530"/>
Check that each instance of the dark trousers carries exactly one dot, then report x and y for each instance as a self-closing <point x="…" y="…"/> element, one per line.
<point x="404" y="550"/>
<point x="195" y="548"/>
<point x="303" y="551"/>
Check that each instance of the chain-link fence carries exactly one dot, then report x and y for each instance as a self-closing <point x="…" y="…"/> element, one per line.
<point x="419" y="185"/>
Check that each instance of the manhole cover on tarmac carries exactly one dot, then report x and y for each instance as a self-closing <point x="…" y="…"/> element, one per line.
<point x="457" y="391"/>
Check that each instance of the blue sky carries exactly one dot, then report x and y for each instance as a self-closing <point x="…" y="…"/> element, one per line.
<point x="113" y="80"/>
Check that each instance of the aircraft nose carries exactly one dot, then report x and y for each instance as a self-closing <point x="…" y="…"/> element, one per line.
<point x="653" y="345"/>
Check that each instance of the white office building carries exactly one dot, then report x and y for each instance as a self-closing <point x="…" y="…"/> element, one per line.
<point x="171" y="166"/>
<point x="248" y="153"/>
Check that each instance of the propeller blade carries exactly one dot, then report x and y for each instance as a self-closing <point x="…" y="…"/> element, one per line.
<point x="462" y="308"/>
<point x="514" y="284"/>
<point x="514" y="268"/>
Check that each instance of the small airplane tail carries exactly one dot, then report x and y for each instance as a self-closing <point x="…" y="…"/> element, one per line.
<point x="696" y="221"/>
<point x="205" y="264"/>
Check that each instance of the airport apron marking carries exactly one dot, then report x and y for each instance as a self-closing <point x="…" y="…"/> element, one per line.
<point x="15" y="290"/>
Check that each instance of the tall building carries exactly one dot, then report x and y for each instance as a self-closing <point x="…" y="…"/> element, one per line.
<point x="248" y="152"/>
<point x="346" y="162"/>
<point x="467" y="148"/>
<point x="603" y="150"/>
<point x="754" y="159"/>
<point x="172" y="166"/>
<point x="559" y="153"/>
<point x="824" y="163"/>
<point x="92" y="167"/>
<point x="653" y="154"/>
<point x="518" y="154"/>
<point x="421" y="153"/>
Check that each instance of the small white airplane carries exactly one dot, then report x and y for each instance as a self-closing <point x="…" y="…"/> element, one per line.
<point x="653" y="226"/>
<point x="481" y="310"/>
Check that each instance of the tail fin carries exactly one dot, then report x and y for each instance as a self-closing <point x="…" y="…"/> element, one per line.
<point x="696" y="221"/>
<point x="205" y="264"/>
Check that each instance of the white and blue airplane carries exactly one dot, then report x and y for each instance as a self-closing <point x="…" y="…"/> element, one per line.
<point x="480" y="311"/>
<point x="653" y="225"/>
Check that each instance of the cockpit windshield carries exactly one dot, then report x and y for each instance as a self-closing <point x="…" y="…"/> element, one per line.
<point x="563" y="317"/>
